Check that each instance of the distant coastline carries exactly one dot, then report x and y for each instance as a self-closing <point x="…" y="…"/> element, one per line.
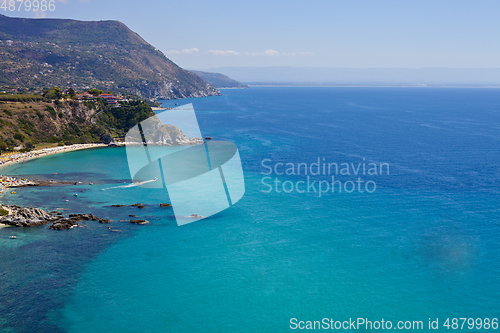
<point x="337" y="76"/>
<point x="232" y="88"/>
<point x="332" y="85"/>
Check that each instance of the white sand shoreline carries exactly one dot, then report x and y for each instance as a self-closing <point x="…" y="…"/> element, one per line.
<point x="21" y="157"/>
<point x="13" y="158"/>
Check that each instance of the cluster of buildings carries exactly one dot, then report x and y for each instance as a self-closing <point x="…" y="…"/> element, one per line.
<point x="110" y="98"/>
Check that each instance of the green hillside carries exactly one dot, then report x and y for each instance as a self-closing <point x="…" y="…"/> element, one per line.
<point x="26" y="121"/>
<point x="37" y="53"/>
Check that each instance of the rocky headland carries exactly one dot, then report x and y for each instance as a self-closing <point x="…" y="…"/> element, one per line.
<point x="31" y="217"/>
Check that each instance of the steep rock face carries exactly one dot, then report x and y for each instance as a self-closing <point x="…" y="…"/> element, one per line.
<point x="170" y="135"/>
<point x="46" y="122"/>
<point x="156" y="133"/>
<point x="37" y="53"/>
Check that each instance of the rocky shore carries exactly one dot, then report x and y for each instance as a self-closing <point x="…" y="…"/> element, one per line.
<point x="31" y="217"/>
<point x="14" y="182"/>
<point x="73" y="219"/>
<point x="16" y="216"/>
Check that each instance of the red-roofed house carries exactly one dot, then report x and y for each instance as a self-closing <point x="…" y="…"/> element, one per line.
<point x="112" y="100"/>
<point x="85" y="96"/>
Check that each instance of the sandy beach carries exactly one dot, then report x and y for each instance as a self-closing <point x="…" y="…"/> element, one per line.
<point x="16" y="157"/>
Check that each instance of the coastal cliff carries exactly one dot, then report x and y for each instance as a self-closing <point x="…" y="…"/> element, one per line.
<point x="25" y="124"/>
<point x="157" y="133"/>
<point x="170" y="135"/>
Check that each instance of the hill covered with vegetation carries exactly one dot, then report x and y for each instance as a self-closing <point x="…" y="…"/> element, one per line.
<point x="38" y="53"/>
<point x="27" y="120"/>
<point x="220" y="80"/>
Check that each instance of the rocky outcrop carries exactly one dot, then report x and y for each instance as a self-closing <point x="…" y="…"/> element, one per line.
<point x="26" y="216"/>
<point x="157" y="133"/>
<point x="170" y="135"/>
<point x="72" y="221"/>
<point x="32" y="217"/>
<point x="139" y="221"/>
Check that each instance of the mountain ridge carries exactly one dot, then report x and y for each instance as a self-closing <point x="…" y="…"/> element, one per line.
<point x="37" y="53"/>
<point x="219" y="80"/>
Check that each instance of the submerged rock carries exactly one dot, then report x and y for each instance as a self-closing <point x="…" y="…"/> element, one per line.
<point x="72" y="221"/>
<point x="63" y="224"/>
<point x="139" y="221"/>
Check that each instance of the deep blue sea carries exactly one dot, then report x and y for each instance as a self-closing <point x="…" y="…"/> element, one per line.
<point x="423" y="244"/>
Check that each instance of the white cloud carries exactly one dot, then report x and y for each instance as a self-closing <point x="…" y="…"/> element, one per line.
<point x="267" y="53"/>
<point x="271" y="53"/>
<point x="187" y="51"/>
<point x="223" y="53"/>
<point x="193" y="50"/>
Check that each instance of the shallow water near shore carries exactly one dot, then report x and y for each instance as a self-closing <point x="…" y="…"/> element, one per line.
<point x="423" y="245"/>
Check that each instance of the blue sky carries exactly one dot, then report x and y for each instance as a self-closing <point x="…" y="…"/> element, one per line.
<point x="356" y="34"/>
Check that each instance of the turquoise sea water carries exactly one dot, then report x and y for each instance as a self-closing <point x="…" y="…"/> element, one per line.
<point x="423" y="245"/>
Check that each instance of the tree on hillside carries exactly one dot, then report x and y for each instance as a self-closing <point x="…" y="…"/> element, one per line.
<point x="95" y="92"/>
<point x="3" y="145"/>
<point x="71" y="92"/>
<point x="28" y="145"/>
<point x="53" y="93"/>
